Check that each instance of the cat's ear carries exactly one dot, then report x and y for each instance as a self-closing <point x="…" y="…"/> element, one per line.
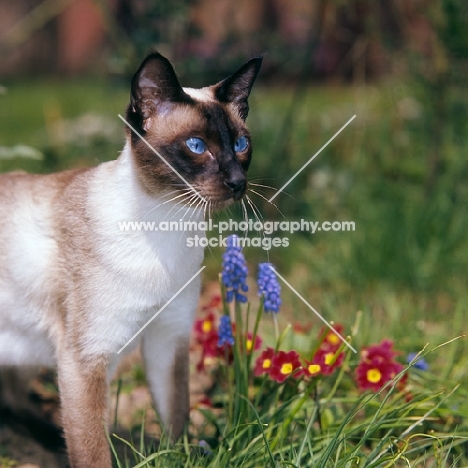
<point x="236" y="88"/>
<point x="154" y="85"/>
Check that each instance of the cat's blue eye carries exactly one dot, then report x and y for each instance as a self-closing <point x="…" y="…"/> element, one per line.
<point x="241" y="144"/>
<point x="196" y="145"/>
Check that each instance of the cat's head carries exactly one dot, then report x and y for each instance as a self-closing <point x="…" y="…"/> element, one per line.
<point x="200" y="133"/>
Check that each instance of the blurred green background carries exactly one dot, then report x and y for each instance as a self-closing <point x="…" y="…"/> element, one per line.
<point x="399" y="171"/>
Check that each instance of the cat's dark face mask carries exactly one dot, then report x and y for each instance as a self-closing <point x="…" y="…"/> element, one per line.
<point x="192" y="140"/>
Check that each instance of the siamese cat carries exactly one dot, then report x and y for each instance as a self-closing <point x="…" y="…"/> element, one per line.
<point x="74" y="289"/>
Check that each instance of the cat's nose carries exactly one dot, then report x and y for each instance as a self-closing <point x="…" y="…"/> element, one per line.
<point x="237" y="185"/>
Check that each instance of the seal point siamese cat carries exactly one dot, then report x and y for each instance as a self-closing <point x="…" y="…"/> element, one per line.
<point x="74" y="288"/>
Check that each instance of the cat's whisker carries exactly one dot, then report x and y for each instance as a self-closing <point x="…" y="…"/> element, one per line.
<point x="254" y="210"/>
<point x="264" y="186"/>
<point x="144" y="215"/>
<point x="192" y="211"/>
<point x="186" y="222"/>
<point x="183" y="207"/>
<point x="204" y="211"/>
<point x="181" y="204"/>
<point x="164" y="195"/>
<point x="268" y="201"/>
<point x="174" y="198"/>
<point x="210" y="206"/>
<point x="181" y="199"/>
<point x="186" y="203"/>
<point x="200" y="202"/>
<point x="195" y="208"/>
<point x="181" y="193"/>
<point x="246" y="218"/>
<point x="256" y="179"/>
<point x="271" y="188"/>
<point x="191" y="201"/>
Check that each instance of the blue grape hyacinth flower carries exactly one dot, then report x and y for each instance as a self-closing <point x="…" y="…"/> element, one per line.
<point x="205" y="447"/>
<point x="234" y="274"/>
<point x="225" y="336"/>
<point x="421" y="364"/>
<point x="269" y="288"/>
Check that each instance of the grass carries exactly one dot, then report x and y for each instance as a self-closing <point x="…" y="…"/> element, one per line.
<point x="72" y="124"/>
<point x="335" y="429"/>
<point x="404" y="268"/>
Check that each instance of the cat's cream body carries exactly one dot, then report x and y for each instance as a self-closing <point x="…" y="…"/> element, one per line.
<point x="74" y="288"/>
<point x="158" y="262"/>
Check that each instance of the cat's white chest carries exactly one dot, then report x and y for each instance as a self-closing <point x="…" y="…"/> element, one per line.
<point x="141" y="270"/>
<point x="135" y="249"/>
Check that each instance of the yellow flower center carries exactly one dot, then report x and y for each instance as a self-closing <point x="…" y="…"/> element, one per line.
<point x="333" y="339"/>
<point x="286" y="368"/>
<point x="329" y="358"/>
<point x="374" y="375"/>
<point x="314" y="368"/>
<point x="249" y="345"/>
<point x="208" y="361"/>
<point x="266" y="363"/>
<point x="207" y="326"/>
